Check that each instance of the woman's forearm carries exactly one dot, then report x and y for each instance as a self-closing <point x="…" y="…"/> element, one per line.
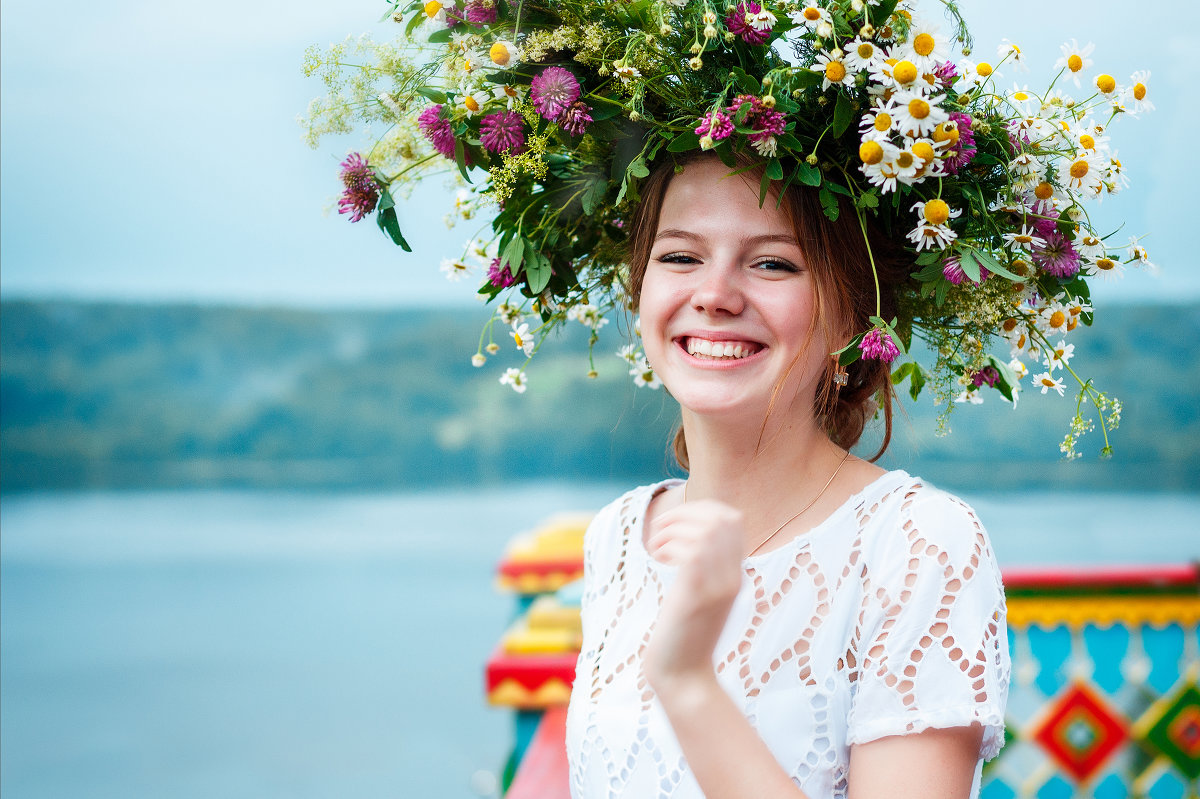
<point x="724" y="752"/>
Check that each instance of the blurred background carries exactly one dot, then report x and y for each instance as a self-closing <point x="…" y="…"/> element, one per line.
<point x="252" y="491"/>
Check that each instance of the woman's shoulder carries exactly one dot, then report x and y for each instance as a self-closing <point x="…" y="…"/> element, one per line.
<point x="927" y="516"/>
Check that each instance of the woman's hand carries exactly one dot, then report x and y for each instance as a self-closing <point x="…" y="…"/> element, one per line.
<point x="704" y="539"/>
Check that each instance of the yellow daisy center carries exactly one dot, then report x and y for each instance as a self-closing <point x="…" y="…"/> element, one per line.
<point x="1074" y="62"/>
<point x="1105" y="264"/>
<point x="1079" y="169"/>
<point x="1139" y="91"/>
<point x="1009" y="325"/>
<point x="500" y="54"/>
<point x="517" y="338"/>
<point x="1020" y="267"/>
<point x="883" y="121"/>
<point x="947" y="131"/>
<point x="1057" y="319"/>
<point x="471" y="103"/>
<point x="1072" y="323"/>
<point x="936" y="212"/>
<point x="1091" y="241"/>
<point x="1022" y="238"/>
<point x="918" y="108"/>
<point x="983" y="69"/>
<point x="924" y="151"/>
<point x="1043" y="191"/>
<point x="923" y="45"/>
<point x="431" y="8"/>
<point x="812" y="14"/>
<point x="904" y="72"/>
<point x="904" y="160"/>
<point x="1048" y="382"/>
<point x="1087" y="142"/>
<point x="510" y="91"/>
<point x="866" y="50"/>
<point x="1106" y="83"/>
<point x="1020" y="97"/>
<point x="870" y="152"/>
<point x="1058" y="353"/>
<point x="835" y="71"/>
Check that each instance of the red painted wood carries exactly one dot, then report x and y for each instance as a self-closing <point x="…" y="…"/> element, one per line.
<point x="543" y="771"/>
<point x="530" y="670"/>
<point x="1051" y="578"/>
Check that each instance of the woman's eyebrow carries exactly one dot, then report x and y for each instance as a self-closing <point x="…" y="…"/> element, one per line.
<point x="766" y="238"/>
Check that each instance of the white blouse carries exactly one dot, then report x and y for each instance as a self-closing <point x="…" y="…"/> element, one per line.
<point x="887" y="618"/>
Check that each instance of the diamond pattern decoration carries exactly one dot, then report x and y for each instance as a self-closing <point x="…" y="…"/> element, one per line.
<point x="1081" y="731"/>
<point x="1177" y="732"/>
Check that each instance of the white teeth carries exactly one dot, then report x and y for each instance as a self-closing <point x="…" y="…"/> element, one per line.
<point x="716" y="349"/>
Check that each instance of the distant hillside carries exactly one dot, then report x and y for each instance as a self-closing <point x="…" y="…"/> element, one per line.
<point x="107" y="395"/>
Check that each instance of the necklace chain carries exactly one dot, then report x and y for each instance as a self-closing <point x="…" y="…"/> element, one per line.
<point x="798" y="513"/>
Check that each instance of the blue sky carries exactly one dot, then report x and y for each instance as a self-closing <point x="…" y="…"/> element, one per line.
<point x="150" y="151"/>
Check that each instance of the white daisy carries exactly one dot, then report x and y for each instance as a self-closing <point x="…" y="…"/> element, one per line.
<point x="1025" y="239"/>
<point x="625" y="72"/>
<point x="1135" y="94"/>
<point x="1085" y="172"/>
<point x="478" y="359"/>
<point x="504" y="54"/>
<point x="925" y="47"/>
<point x="629" y="353"/>
<point x="897" y="74"/>
<point x="1012" y="53"/>
<point x="891" y="166"/>
<point x="509" y="94"/>
<point x="643" y="374"/>
<point x="811" y="16"/>
<point x="1075" y="59"/>
<point x="933" y="229"/>
<point x="764" y="20"/>
<point x="971" y="396"/>
<point x="833" y="69"/>
<point x="917" y="115"/>
<point x="454" y="270"/>
<point x="1047" y="383"/>
<point x="1089" y="246"/>
<point x="1138" y="256"/>
<point x="473" y="102"/>
<point x="516" y="378"/>
<point x="863" y="55"/>
<point x="1104" y="268"/>
<point x="878" y="122"/>
<point x="1019" y="368"/>
<point x="971" y="75"/>
<point x="522" y="337"/>
<point x="1060" y="355"/>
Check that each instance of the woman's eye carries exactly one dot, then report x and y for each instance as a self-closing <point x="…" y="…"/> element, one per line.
<point x="676" y="258"/>
<point x="775" y="265"/>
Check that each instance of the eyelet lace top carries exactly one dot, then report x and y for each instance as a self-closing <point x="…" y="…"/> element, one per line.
<point x="887" y="618"/>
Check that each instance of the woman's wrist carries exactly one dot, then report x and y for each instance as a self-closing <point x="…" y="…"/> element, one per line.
<point x="682" y="693"/>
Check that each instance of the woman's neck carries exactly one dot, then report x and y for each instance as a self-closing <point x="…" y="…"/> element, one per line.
<point x="766" y="473"/>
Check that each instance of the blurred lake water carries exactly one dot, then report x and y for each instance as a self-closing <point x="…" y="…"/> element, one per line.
<point x="275" y="644"/>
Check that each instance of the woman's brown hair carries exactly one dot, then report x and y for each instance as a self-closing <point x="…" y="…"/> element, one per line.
<point x="836" y="255"/>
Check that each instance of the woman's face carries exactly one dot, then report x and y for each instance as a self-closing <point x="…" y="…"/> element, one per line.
<point x="727" y="302"/>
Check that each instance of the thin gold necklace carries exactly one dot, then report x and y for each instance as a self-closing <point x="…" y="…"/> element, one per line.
<point x="798" y="513"/>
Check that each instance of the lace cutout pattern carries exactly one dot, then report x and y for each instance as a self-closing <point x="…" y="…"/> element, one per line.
<point x="886" y="619"/>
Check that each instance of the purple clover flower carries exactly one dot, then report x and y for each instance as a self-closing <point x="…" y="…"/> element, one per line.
<point x="481" y="12"/>
<point x="965" y="150"/>
<point x="553" y="92"/>
<point x="988" y="374"/>
<point x="576" y="118"/>
<point x="499" y="277"/>
<point x="952" y="270"/>
<point x="502" y="132"/>
<point x="1058" y="257"/>
<point x="735" y="22"/>
<point x="946" y="73"/>
<point x="437" y="129"/>
<point x="766" y="122"/>
<point x="362" y="191"/>
<point x="878" y="345"/>
<point x="715" y="124"/>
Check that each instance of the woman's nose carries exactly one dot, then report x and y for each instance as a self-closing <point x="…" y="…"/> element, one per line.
<point x="718" y="290"/>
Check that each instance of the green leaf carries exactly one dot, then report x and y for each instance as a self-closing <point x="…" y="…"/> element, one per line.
<point x="829" y="203"/>
<point x="386" y="218"/>
<point x="808" y="174"/>
<point x="843" y="114"/>
<point x="970" y="265"/>
<point x="774" y="169"/>
<point x="441" y="36"/>
<point x="930" y="273"/>
<point x="460" y="158"/>
<point x="593" y="195"/>
<point x="685" y="141"/>
<point x="879" y="14"/>
<point x="928" y="257"/>
<point x="514" y="254"/>
<point x="789" y="142"/>
<point x="804" y="78"/>
<point x="606" y="110"/>
<point x="868" y="200"/>
<point x="432" y="94"/>
<point x="412" y="23"/>
<point x="538" y="272"/>
<point x="995" y="267"/>
<point x="748" y="84"/>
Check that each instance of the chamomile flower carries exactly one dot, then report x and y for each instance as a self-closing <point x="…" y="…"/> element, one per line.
<point x="933" y="229"/>
<point x="504" y="54"/>
<point x="1076" y="308"/>
<point x="1060" y="355"/>
<point x="832" y="69"/>
<point x="522" y="337"/>
<point x="625" y="72"/>
<point x="917" y="115"/>
<point x="1075" y="59"/>
<point x="1089" y="137"/>
<point x="1107" y="86"/>
<point x="1103" y="267"/>
<point x="761" y="21"/>
<point x="971" y="75"/>
<point x="1054" y="317"/>
<point x="1135" y="94"/>
<point x="1008" y="51"/>
<point x="894" y="74"/>
<point x="971" y="396"/>
<point x="878" y="122"/>
<point x="516" y="378"/>
<point x="887" y="165"/>
<point x="478" y="359"/>
<point x="1024" y="239"/>
<point x="1021" y="99"/>
<point x="811" y="16"/>
<point x="643" y="374"/>
<point x="926" y="47"/>
<point x="508" y="313"/>
<point x="1027" y="169"/>
<point x="1138" y="256"/>
<point x="454" y="270"/>
<point x="1115" y="178"/>
<point x="630" y="354"/>
<point x="1089" y="246"/>
<point x="473" y="102"/>
<point x="1046" y="382"/>
<point x="1084" y="172"/>
<point x="587" y="315"/>
<point x="863" y="55"/>
<point x="1019" y="368"/>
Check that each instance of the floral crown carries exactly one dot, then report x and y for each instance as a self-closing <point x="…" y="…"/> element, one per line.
<point x="551" y="113"/>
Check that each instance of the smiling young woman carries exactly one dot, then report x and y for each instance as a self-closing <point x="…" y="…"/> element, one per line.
<point x="792" y="620"/>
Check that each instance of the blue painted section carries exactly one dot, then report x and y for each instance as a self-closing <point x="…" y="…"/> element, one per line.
<point x="1056" y="788"/>
<point x="527" y="722"/>
<point x="1111" y="787"/>
<point x="1168" y="786"/>
<point x="1107" y="647"/>
<point x="1164" y="647"/>
<point x="1050" y="648"/>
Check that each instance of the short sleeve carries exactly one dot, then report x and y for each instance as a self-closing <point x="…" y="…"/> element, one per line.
<point x="932" y="640"/>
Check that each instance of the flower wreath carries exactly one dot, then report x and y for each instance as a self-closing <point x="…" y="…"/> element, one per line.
<point x="552" y="112"/>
